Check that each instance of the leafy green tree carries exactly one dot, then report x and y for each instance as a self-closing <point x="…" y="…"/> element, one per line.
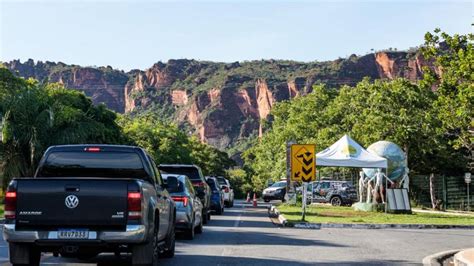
<point x="453" y="81"/>
<point x="168" y="144"/>
<point x="165" y="142"/>
<point x="27" y="120"/>
<point x="240" y="181"/>
<point x="36" y="116"/>
<point x="397" y="111"/>
<point x="302" y="120"/>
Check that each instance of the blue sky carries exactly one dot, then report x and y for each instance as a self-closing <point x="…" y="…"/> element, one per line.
<point x="136" y="34"/>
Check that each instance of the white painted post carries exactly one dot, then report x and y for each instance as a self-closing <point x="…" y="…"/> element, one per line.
<point x="467" y="179"/>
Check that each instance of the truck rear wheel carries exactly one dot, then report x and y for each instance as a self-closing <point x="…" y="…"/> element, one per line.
<point x="205" y="216"/>
<point x="24" y="254"/>
<point x="170" y="244"/>
<point x="141" y="253"/>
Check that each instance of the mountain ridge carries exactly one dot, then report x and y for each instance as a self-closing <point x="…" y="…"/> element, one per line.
<point x="221" y="103"/>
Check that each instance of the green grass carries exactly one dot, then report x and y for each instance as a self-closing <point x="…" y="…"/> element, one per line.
<point x="1" y="210"/>
<point x="329" y="214"/>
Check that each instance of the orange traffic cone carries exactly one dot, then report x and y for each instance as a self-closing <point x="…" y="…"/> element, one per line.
<point x="255" y="199"/>
<point x="248" y="196"/>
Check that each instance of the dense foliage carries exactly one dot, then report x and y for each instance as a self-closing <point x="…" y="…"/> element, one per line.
<point x="167" y="144"/>
<point x="36" y="116"/>
<point x="431" y="120"/>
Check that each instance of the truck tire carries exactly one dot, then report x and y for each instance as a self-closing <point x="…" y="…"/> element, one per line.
<point x="24" y="254"/>
<point x="170" y="243"/>
<point x="219" y="210"/>
<point x="205" y="216"/>
<point x="141" y="253"/>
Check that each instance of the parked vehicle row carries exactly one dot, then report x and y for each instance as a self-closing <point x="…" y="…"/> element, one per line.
<point x="325" y="191"/>
<point x="87" y="199"/>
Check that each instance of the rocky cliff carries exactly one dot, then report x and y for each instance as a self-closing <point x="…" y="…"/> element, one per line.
<point x="221" y="103"/>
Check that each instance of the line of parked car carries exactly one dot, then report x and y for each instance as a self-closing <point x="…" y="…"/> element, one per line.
<point x="87" y="199"/>
<point x="196" y="196"/>
<point x="335" y="192"/>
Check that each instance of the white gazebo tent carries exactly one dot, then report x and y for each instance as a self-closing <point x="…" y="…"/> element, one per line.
<point x="346" y="152"/>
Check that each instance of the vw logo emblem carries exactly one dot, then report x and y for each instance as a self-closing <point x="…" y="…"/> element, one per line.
<point x="71" y="201"/>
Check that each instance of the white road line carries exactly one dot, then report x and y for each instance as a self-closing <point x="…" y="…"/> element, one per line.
<point x="237" y="221"/>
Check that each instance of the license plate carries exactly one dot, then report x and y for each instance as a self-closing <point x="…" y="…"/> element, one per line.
<point x="73" y="234"/>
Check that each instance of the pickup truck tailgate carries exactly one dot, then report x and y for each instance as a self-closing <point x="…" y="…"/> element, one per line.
<point x="52" y="202"/>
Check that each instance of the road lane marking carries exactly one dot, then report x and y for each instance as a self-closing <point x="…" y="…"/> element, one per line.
<point x="237" y="221"/>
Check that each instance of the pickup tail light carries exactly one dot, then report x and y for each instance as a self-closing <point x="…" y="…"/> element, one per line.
<point x="182" y="199"/>
<point x="134" y="205"/>
<point x="10" y="205"/>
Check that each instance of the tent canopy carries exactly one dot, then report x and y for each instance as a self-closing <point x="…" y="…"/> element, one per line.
<point x="347" y="153"/>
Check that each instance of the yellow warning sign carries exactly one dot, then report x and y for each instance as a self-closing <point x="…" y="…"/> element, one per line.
<point x="303" y="162"/>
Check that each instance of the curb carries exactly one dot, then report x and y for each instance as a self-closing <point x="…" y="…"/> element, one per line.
<point x="438" y="258"/>
<point x="273" y="211"/>
<point x="464" y="257"/>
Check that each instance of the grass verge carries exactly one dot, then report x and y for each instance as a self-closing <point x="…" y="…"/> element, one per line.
<point x="329" y="214"/>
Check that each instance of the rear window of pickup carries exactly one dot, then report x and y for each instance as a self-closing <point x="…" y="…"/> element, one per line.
<point x="92" y="164"/>
<point x="191" y="172"/>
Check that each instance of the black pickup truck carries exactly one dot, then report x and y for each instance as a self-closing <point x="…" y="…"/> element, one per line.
<point x="88" y="199"/>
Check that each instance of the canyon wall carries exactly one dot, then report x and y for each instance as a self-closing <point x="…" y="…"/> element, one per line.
<point x="221" y="103"/>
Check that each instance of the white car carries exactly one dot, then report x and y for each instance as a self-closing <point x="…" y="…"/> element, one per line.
<point x="228" y="191"/>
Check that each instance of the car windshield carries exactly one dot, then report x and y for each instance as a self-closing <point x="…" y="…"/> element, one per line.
<point x="279" y="184"/>
<point x="191" y="172"/>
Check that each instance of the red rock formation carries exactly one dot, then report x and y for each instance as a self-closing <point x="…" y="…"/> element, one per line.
<point x="265" y="98"/>
<point x="214" y="95"/>
<point x="246" y="102"/>
<point x="179" y="97"/>
<point x="386" y="65"/>
<point x="131" y="89"/>
<point x="293" y="90"/>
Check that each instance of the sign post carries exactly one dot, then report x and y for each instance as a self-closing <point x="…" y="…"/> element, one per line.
<point x="290" y="195"/>
<point x="467" y="179"/>
<point x="303" y="167"/>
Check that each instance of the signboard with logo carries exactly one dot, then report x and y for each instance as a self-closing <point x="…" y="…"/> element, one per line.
<point x="303" y="162"/>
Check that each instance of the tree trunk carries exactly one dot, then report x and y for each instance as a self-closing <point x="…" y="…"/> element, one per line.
<point x="432" y="192"/>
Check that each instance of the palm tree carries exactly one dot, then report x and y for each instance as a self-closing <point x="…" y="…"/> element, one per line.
<point x="28" y="120"/>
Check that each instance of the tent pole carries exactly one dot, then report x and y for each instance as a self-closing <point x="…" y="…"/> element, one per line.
<point x="386" y="190"/>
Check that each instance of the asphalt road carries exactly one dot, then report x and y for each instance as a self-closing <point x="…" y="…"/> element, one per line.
<point x="246" y="236"/>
